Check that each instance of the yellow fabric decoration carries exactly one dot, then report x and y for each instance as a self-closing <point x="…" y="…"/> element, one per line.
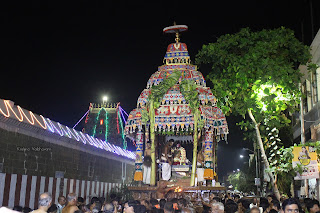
<point x="208" y="174"/>
<point x="138" y="176"/>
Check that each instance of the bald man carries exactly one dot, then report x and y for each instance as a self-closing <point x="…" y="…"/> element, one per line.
<point x="71" y="206"/>
<point x="45" y="200"/>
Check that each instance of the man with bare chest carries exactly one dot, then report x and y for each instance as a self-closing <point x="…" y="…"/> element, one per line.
<point x="71" y="206"/>
<point x="162" y="190"/>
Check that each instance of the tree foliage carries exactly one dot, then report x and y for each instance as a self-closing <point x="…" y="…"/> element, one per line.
<point x="257" y="70"/>
<point x="244" y="179"/>
<point x="256" y="73"/>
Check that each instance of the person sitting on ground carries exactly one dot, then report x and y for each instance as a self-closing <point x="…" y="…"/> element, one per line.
<point x="45" y="200"/>
<point x="53" y="209"/>
<point x="71" y="206"/>
<point x="312" y="206"/>
<point x="61" y="203"/>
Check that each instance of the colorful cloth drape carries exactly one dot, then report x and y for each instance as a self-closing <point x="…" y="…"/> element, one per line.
<point x="208" y="145"/>
<point x="138" y="176"/>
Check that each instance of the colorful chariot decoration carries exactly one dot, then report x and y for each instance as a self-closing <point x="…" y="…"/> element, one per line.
<point x="174" y="114"/>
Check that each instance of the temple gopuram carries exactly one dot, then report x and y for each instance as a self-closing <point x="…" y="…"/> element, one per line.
<point x="176" y="127"/>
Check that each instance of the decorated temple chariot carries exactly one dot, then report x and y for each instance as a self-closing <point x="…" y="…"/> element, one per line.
<point x="176" y="125"/>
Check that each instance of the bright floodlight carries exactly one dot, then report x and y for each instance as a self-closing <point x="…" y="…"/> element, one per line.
<point x="238" y="170"/>
<point x="105" y="98"/>
<point x="241" y="156"/>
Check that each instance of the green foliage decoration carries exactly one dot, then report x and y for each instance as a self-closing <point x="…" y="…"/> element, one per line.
<point x="188" y="89"/>
<point x="158" y="91"/>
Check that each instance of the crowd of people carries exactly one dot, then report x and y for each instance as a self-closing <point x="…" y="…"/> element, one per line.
<point x="221" y="203"/>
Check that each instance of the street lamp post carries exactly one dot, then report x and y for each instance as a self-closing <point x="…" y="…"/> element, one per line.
<point x="256" y="159"/>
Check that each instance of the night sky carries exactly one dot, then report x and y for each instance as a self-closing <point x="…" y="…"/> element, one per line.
<point x="58" y="56"/>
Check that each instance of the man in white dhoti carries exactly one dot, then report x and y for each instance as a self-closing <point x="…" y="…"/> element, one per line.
<point x="146" y="174"/>
<point x="200" y="169"/>
<point x="147" y="164"/>
<point x="166" y="168"/>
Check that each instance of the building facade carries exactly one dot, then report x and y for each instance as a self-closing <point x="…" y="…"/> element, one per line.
<point x="311" y="91"/>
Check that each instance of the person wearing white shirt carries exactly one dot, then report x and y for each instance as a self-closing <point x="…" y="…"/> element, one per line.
<point x="61" y="203"/>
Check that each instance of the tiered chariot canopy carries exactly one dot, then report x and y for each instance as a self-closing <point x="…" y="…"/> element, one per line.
<point x="174" y="113"/>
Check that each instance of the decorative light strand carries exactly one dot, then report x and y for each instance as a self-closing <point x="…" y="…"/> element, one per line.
<point x="106" y="123"/>
<point x="96" y="123"/>
<point x="117" y="110"/>
<point x="81" y="119"/>
<point x="124" y="111"/>
<point x="22" y="115"/>
<point x="124" y="119"/>
<point x="122" y="133"/>
<point x="118" y="121"/>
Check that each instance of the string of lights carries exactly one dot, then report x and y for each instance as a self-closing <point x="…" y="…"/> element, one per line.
<point x="81" y="118"/>
<point x="122" y="110"/>
<point x="122" y="132"/>
<point x="22" y="115"/>
<point x="9" y="110"/>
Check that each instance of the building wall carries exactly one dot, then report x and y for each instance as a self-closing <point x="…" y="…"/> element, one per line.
<point x="27" y="155"/>
<point x="311" y="90"/>
<point x="24" y="190"/>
